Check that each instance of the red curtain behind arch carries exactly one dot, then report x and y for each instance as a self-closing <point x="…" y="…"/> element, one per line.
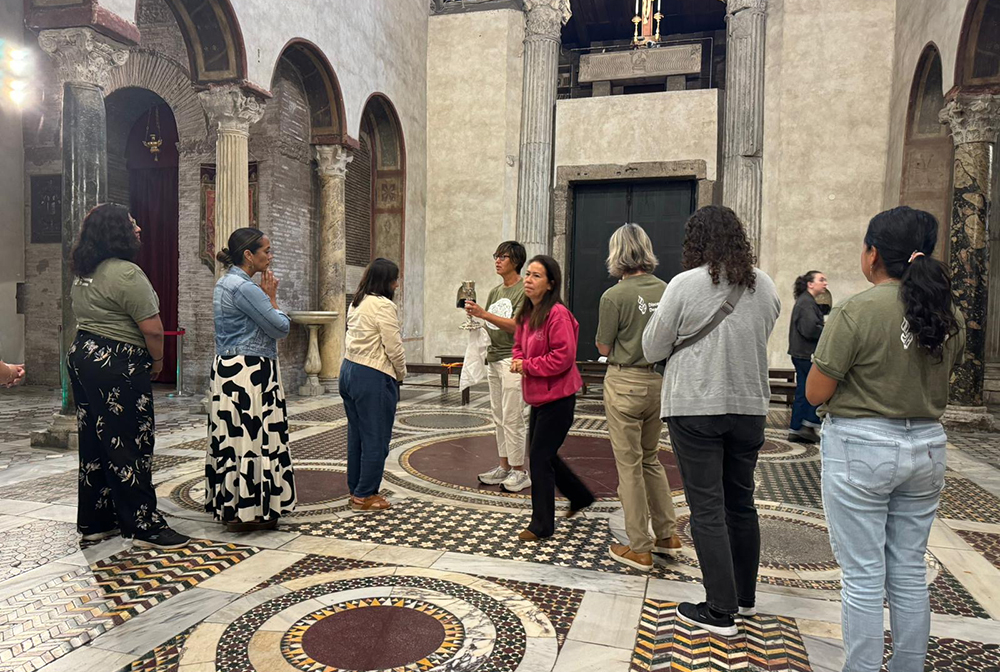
<point x="152" y="183"/>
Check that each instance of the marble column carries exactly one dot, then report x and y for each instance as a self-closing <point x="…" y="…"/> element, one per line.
<point x="545" y="19"/>
<point x="331" y="164"/>
<point x="975" y="127"/>
<point x="743" y="127"/>
<point x="234" y="112"/>
<point x="84" y="60"/>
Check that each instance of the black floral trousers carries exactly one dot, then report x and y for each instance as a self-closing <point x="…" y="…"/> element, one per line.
<point x="114" y="412"/>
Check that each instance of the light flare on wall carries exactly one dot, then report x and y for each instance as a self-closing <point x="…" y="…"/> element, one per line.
<point x="15" y="62"/>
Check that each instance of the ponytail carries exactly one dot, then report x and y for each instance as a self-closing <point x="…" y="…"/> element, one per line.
<point x="801" y="285"/>
<point x="905" y="239"/>
<point x="926" y="295"/>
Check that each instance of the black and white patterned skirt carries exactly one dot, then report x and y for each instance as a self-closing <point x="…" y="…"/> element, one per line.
<point x="248" y="469"/>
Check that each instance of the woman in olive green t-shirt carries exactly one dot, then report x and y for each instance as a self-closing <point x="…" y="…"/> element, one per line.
<point x="118" y="346"/>
<point x="882" y="369"/>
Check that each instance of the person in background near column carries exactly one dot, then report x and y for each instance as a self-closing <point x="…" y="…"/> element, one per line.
<point x="803" y="334"/>
<point x="544" y="354"/>
<point x="715" y="401"/>
<point x="117" y="351"/>
<point x="250" y="482"/>
<point x="506" y="403"/>
<point x="374" y="366"/>
<point x="11" y="374"/>
<point x="632" y="400"/>
<point x="882" y="369"/>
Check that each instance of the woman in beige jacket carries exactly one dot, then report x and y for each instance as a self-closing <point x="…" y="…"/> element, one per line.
<point x="374" y="366"/>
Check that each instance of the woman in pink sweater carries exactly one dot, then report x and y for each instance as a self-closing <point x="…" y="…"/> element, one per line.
<point x="545" y="355"/>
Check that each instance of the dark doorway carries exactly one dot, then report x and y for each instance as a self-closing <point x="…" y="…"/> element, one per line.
<point x="660" y="207"/>
<point x="142" y="173"/>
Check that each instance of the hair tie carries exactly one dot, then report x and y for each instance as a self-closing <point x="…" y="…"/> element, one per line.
<point x="914" y="256"/>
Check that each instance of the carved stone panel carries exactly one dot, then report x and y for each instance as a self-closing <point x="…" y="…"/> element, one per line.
<point x="46" y="209"/>
<point x="623" y="65"/>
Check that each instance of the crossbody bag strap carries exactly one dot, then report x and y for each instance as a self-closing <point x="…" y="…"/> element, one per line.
<point x="728" y="306"/>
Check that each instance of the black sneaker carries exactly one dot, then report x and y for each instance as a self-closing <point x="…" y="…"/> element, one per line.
<point x="699" y="615"/>
<point x="165" y="538"/>
<point x="804" y="435"/>
<point x="101" y="536"/>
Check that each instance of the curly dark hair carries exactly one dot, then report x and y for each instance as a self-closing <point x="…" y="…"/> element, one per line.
<point x="107" y="233"/>
<point x="715" y="236"/>
<point x="925" y="285"/>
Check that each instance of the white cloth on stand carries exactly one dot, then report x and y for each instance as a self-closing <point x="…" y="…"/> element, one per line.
<point x="474" y="366"/>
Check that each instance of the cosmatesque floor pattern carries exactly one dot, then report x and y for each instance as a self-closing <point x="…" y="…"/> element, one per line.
<point x="440" y="581"/>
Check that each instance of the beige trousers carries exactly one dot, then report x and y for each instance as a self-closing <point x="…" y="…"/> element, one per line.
<point x="632" y="403"/>
<point x="509" y="411"/>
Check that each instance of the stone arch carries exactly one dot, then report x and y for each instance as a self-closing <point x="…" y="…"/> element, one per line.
<point x="148" y="70"/>
<point x="326" y="103"/>
<point x="381" y="123"/>
<point x="978" y="62"/>
<point x="928" y="151"/>
<point x="213" y="38"/>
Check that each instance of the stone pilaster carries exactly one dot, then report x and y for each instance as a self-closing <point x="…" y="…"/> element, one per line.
<point x="233" y="111"/>
<point x="84" y="60"/>
<point x="743" y="132"/>
<point x="545" y="19"/>
<point x="331" y="164"/>
<point x="975" y="128"/>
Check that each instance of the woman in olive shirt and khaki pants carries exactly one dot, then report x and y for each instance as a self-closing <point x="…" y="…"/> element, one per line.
<point x="632" y="400"/>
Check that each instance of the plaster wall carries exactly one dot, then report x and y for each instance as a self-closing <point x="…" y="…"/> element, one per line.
<point x="918" y="23"/>
<point x="473" y="125"/>
<point x="665" y="127"/>
<point x="123" y="8"/>
<point x="376" y="46"/>
<point x="12" y="191"/>
<point x="827" y="98"/>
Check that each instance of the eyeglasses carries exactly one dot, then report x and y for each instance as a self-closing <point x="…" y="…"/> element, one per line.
<point x="498" y="257"/>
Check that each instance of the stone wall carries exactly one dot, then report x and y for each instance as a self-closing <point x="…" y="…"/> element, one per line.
<point x="473" y="126"/>
<point x="827" y="97"/>
<point x="667" y="126"/>
<point x="158" y="28"/>
<point x="287" y="213"/>
<point x="12" y="191"/>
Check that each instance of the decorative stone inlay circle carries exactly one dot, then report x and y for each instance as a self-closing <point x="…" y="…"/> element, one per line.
<point x="442" y="421"/>
<point x="785" y="543"/>
<point x="780" y="450"/>
<point x="413" y="635"/>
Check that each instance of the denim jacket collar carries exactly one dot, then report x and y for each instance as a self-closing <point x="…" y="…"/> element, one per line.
<point x="239" y="271"/>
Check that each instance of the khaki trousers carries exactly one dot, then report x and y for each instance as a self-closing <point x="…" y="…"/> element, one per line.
<point x="509" y="411"/>
<point x="632" y="403"/>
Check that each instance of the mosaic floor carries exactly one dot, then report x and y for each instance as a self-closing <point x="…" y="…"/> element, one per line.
<point x="440" y="582"/>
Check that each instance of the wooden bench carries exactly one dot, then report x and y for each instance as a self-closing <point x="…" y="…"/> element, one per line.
<point x="444" y="371"/>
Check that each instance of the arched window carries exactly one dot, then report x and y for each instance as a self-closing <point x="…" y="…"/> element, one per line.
<point x="979" y="56"/>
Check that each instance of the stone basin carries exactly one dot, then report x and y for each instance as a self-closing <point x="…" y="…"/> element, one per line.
<point x="313" y="316"/>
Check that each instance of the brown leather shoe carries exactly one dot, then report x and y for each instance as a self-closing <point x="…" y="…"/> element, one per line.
<point x="669" y="546"/>
<point x="527" y="535"/>
<point x="625" y="555"/>
<point x="370" y="503"/>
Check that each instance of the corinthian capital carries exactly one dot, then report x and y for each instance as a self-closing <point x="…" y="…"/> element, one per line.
<point x="231" y="108"/>
<point x="546" y="17"/>
<point x="332" y="160"/>
<point x="973" y="118"/>
<point x="82" y="55"/>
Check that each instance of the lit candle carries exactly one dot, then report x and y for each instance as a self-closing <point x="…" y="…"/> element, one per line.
<point x="658" y="6"/>
<point x="637" y="7"/>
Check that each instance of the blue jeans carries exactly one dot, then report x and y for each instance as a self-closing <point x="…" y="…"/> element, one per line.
<point x="882" y="480"/>
<point x="370" y="398"/>
<point x="802" y="409"/>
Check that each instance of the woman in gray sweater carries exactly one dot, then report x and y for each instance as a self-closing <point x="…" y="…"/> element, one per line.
<point x="715" y="398"/>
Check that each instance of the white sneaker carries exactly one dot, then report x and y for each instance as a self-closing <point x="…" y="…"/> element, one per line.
<point x="516" y="481"/>
<point x="494" y="476"/>
<point x="748" y="612"/>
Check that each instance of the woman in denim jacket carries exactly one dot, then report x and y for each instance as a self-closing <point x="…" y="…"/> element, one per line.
<point x="882" y="369"/>
<point x="250" y="482"/>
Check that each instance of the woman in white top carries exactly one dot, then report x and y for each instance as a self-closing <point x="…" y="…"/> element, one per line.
<point x="374" y="365"/>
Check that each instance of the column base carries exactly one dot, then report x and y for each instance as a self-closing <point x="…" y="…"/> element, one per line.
<point x="967" y="417"/>
<point x="332" y="385"/>
<point x="312" y="388"/>
<point x="62" y="433"/>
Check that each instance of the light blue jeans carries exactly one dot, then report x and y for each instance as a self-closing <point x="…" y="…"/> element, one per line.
<point x="882" y="480"/>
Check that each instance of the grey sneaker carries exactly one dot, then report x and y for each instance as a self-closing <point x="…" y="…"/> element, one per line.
<point x="516" y="481"/>
<point x="748" y="612"/>
<point x="804" y="435"/>
<point x="815" y="425"/>
<point x="494" y="476"/>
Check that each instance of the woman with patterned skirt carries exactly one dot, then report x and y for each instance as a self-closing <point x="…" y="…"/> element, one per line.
<point x="117" y="351"/>
<point x="249" y="477"/>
